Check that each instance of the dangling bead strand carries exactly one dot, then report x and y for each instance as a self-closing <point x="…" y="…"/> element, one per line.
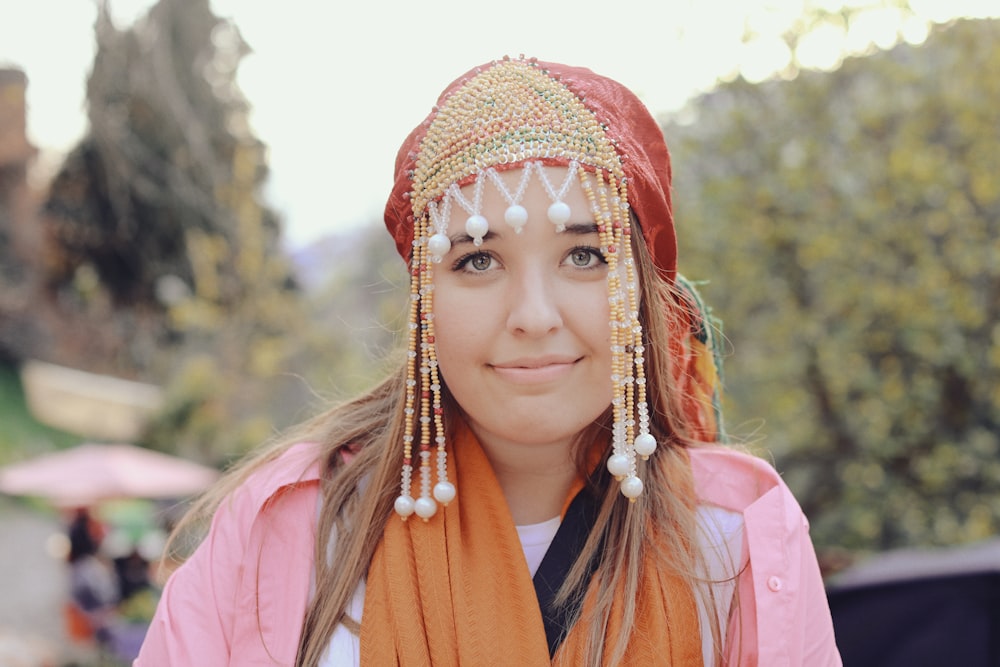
<point x="444" y="491"/>
<point x="439" y="244"/>
<point x="632" y="486"/>
<point x="516" y="215"/>
<point x="425" y="506"/>
<point x="645" y="443"/>
<point x="405" y="505"/>
<point x="558" y="212"/>
<point x="620" y="464"/>
<point x="421" y="343"/>
<point x="476" y="226"/>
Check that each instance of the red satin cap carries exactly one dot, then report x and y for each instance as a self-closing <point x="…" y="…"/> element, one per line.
<point x="638" y="141"/>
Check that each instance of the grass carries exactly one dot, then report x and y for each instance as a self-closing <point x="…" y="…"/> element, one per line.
<point x="21" y="435"/>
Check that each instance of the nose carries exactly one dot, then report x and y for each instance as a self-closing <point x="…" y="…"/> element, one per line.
<point x="533" y="305"/>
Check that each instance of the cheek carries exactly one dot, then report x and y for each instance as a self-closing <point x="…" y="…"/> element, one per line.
<point x="451" y="314"/>
<point x="458" y="364"/>
<point x="451" y="357"/>
<point x="591" y="313"/>
<point x="457" y="332"/>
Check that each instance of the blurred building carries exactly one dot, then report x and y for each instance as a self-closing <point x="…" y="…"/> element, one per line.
<point x="19" y="235"/>
<point x="15" y="149"/>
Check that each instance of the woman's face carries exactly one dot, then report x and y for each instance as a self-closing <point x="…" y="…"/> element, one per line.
<point x="521" y="322"/>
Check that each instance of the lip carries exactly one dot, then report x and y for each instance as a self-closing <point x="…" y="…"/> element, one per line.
<point x="535" y="370"/>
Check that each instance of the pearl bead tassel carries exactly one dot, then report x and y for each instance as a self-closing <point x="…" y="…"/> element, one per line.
<point x="645" y="444"/>
<point x="426" y="508"/>
<point x="438" y="245"/>
<point x="516" y="216"/>
<point x="404" y="506"/>
<point x="631" y="488"/>
<point x="618" y="466"/>
<point x="559" y="213"/>
<point x="477" y="227"/>
<point x="444" y="492"/>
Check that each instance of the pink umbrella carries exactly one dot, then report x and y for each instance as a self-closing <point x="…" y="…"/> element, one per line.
<point x="89" y="473"/>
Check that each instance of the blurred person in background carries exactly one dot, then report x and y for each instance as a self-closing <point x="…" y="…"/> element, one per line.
<point x="94" y="590"/>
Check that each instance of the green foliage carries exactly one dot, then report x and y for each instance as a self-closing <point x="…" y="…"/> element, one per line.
<point x="357" y="311"/>
<point x="22" y="435"/>
<point x="850" y="225"/>
<point x="273" y="361"/>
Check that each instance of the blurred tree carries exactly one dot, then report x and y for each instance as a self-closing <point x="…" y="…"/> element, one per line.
<point x="158" y="169"/>
<point x="161" y="261"/>
<point x="160" y="200"/>
<point x="850" y="223"/>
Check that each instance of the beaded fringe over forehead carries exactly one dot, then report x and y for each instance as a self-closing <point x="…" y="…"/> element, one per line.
<point x="628" y="128"/>
<point x="505" y="115"/>
<point x="514" y="114"/>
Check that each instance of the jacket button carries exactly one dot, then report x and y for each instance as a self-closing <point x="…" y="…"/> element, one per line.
<point x="774" y="583"/>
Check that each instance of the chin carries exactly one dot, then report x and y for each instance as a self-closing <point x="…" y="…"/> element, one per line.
<point x="535" y="431"/>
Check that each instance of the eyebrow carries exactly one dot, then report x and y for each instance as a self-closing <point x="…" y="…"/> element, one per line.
<point x="576" y="229"/>
<point x="581" y="228"/>
<point x="461" y="237"/>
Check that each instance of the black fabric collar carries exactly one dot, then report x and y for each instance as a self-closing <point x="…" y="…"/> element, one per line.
<point x="555" y="566"/>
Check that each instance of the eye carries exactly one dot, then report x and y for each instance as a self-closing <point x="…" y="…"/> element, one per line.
<point x="475" y="262"/>
<point x="481" y="262"/>
<point x="586" y="257"/>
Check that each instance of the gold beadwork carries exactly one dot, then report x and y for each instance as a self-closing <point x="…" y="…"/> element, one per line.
<point x="507" y="114"/>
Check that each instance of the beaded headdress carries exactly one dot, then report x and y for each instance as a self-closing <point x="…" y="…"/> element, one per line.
<point x="525" y="114"/>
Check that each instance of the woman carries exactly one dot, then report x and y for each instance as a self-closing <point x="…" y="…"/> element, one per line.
<point x="538" y="482"/>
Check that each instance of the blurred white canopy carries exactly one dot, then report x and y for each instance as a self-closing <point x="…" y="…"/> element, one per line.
<point x="98" y="407"/>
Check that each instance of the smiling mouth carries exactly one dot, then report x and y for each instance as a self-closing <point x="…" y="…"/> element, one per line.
<point x="535" y="371"/>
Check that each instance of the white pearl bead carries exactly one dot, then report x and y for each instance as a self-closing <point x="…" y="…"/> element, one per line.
<point x="645" y="444"/>
<point x="559" y="213"/>
<point x="444" y="492"/>
<point x="425" y="508"/>
<point x="631" y="487"/>
<point x="477" y="226"/>
<point x="516" y="216"/>
<point x="618" y="465"/>
<point x="439" y="245"/>
<point x="404" y="506"/>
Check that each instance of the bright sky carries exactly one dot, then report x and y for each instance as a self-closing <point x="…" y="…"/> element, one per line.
<point x="335" y="87"/>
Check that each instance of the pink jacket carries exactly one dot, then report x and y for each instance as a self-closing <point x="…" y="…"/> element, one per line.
<point x="241" y="598"/>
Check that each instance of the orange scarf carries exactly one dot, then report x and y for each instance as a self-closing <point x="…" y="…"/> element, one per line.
<point x="457" y="591"/>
